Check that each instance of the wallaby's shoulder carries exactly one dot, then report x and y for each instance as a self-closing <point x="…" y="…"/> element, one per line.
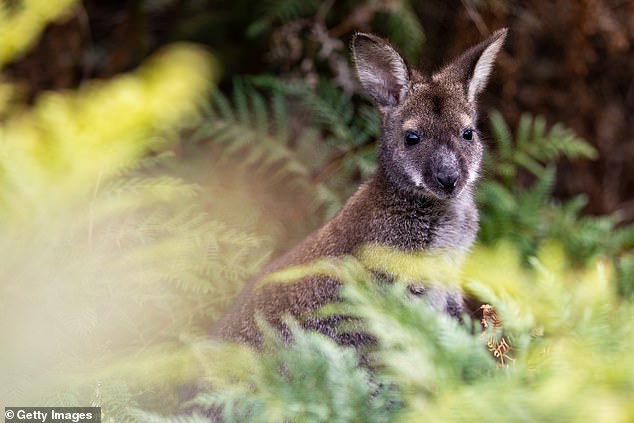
<point x="341" y="234"/>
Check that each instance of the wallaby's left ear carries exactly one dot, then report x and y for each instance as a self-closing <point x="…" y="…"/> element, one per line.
<point x="474" y="66"/>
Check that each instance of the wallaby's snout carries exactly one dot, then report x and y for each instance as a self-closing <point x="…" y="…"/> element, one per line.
<point x="447" y="174"/>
<point x="443" y="171"/>
<point x="448" y="179"/>
<point x="452" y="168"/>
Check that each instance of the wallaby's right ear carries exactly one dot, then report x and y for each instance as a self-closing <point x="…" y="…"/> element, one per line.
<point x="381" y="70"/>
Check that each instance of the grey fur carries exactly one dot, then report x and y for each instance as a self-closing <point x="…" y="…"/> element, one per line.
<point x="420" y="198"/>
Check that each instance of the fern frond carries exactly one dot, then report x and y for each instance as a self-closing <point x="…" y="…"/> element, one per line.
<point x="241" y="100"/>
<point x="624" y="266"/>
<point x="347" y="130"/>
<point x="534" y="147"/>
<point x="280" y="116"/>
<point x="502" y="134"/>
<point x="329" y="108"/>
<point x="147" y="417"/>
<point x="221" y="108"/>
<point x="280" y="11"/>
<point x="302" y="383"/>
<point x="564" y="142"/>
<point x="528" y="216"/>
<point x="250" y="127"/>
<point x="539" y="194"/>
<point x="366" y="125"/>
<point x="332" y="134"/>
<point x="164" y="187"/>
<point x="527" y="130"/>
<point x="404" y="29"/>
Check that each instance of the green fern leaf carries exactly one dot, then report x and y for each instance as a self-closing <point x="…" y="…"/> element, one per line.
<point x="405" y="30"/>
<point x="534" y="147"/>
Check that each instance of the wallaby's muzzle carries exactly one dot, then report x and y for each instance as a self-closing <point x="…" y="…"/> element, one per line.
<point x="448" y="179"/>
<point x="444" y="179"/>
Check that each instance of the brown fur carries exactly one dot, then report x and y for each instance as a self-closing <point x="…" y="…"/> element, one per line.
<point x="419" y="200"/>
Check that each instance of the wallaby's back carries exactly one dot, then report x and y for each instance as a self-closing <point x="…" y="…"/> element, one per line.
<point x="419" y="200"/>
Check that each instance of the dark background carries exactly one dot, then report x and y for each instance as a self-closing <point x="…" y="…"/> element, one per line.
<point x="571" y="61"/>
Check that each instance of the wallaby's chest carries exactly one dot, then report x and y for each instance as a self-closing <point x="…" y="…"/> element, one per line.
<point x="415" y="224"/>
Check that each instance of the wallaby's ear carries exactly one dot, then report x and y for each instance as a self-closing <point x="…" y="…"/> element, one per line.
<point x="381" y="70"/>
<point x="474" y="66"/>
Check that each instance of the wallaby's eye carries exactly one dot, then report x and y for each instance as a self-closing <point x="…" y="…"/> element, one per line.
<point x="411" y="139"/>
<point x="467" y="134"/>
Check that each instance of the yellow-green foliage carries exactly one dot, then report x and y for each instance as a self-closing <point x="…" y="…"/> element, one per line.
<point x="103" y="257"/>
<point x="69" y="143"/>
<point x="570" y="338"/>
<point x="21" y="23"/>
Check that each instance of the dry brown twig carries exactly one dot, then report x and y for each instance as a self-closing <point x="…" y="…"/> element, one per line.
<point x="491" y="324"/>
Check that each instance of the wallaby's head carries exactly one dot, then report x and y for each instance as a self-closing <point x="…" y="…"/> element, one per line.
<point x="429" y="144"/>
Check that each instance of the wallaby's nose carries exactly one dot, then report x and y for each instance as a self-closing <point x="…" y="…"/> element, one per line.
<point x="448" y="178"/>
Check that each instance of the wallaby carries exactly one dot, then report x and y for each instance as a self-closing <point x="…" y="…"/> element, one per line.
<point x="420" y="199"/>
